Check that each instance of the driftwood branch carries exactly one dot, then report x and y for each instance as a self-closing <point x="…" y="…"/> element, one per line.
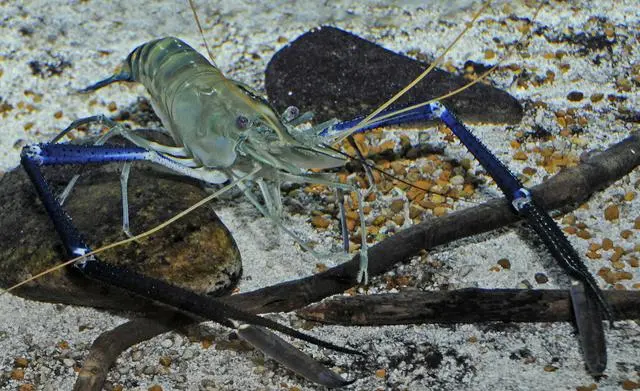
<point x="571" y="186"/>
<point x="461" y="306"/>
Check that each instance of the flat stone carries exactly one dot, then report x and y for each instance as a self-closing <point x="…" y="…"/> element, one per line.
<point x="197" y="252"/>
<point x="337" y="74"/>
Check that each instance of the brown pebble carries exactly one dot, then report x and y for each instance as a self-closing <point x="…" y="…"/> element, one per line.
<point x="399" y="169"/>
<point x="379" y="220"/>
<point x="584" y="234"/>
<point x="439" y="211"/>
<point x="570" y="230"/>
<point x="472" y="339"/>
<point x="494" y="268"/>
<point x="206" y="343"/>
<point x="17" y="374"/>
<point x="626" y="234"/>
<point x="630" y="385"/>
<point x="550" y="368"/>
<point x="165" y="361"/>
<point x="624" y="275"/>
<point x="520" y="155"/>
<point x="633" y="262"/>
<point x="618" y="265"/>
<point x="381" y="373"/>
<point x="630" y="196"/>
<point x="57" y="115"/>
<point x="415" y="211"/>
<point x="590" y="387"/>
<point x="594" y="246"/>
<point x="320" y="222"/>
<point x="607" y="244"/>
<point x="575" y="96"/>
<point x="398" y="219"/>
<point x="593" y="255"/>
<point x="26" y="387"/>
<point x="617" y="254"/>
<point x="569" y="220"/>
<point x="636" y="223"/>
<point x="112" y="106"/>
<point x="541" y="278"/>
<point x="396" y="206"/>
<point x="505" y="263"/>
<point x="597" y="97"/>
<point x="611" y="212"/>
<point x="155" y="387"/>
<point x="20" y="362"/>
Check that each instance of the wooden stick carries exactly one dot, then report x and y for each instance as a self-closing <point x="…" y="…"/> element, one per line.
<point x="461" y="306"/>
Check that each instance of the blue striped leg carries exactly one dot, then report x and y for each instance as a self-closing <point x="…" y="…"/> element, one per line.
<point x="35" y="156"/>
<point x="547" y="229"/>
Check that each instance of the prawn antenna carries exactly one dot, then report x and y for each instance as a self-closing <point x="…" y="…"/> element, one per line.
<point x="206" y="45"/>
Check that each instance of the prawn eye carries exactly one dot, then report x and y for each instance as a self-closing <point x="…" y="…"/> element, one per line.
<point x="242" y="122"/>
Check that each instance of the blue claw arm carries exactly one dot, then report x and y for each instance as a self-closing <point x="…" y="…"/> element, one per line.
<point x="182" y="300"/>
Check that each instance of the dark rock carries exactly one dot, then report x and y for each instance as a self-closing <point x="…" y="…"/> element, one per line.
<point x="197" y="252"/>
<point x="337" y="74"/>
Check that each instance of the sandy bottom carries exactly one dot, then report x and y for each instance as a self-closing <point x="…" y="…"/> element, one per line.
<point x="52" y="48"/>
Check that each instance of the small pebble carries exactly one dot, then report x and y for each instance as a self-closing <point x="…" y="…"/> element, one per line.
<point x="439" y="211"/>
<point x="575" y="96"/>
<point x="520" y="155"/>
<point x="541" y="278"/>
<point x="612" y="212"/>
<point x="505" y="263"/>
<point x="607" y="244"/>
<point x="593" y="255"/>
<point x="17" y="374"/>
<point x="320" y="222"/>
<point x="630" y="385"/>
<point x="167" y="343"/>
<point x="569" y="219"/>
<point x="618" y="265"/>
<point x="20" y="362"/>
<point x="136" y="355"/>
<point x="584" y="234"/>
<point x="396" y="206"/>
<point x="68" y="362"/>
<point x="381" y="373"/>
